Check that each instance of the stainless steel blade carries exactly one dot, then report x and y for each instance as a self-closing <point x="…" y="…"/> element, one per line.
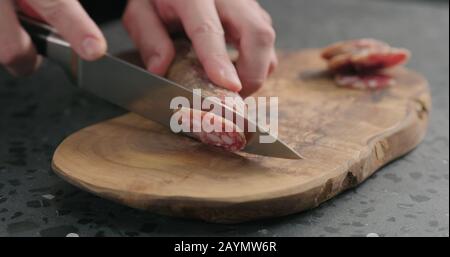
<point x="130" y="87"/>
<point x="277" y="149"/>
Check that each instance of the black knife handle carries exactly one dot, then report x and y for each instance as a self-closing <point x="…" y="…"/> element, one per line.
<point x="38" y="31"/>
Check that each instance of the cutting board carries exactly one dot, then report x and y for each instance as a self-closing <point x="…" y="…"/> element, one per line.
<point x="345" y="135"/>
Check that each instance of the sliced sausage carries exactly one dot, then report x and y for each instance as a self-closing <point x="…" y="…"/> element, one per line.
<point x="359" y="63"/>
<point x="188" y="71"/>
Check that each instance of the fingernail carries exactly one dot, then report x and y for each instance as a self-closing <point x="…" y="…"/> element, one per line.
<point x="92" y="48"/>
<point x="231" y="78"/>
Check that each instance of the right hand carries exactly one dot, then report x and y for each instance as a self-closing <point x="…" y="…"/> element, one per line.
<point x="17" y="53"/>
<point x="208" y="24"/>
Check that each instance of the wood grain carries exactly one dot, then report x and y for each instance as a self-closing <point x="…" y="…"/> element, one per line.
<point x="345" y="136"/>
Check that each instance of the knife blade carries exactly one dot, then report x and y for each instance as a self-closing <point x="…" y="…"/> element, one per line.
<point x="132" y="87"/>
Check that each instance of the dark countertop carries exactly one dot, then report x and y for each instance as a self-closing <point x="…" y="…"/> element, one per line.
<point x="409" y="197"/>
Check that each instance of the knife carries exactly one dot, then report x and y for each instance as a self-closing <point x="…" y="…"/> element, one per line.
<point x="132" y="87"/>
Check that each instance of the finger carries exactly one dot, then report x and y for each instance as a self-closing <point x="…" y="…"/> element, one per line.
<point x="273" y="63"/>
<point x="255" y="44"/>
<point x="28" y="10"/>
<point x="74" y="25"/>
<point x="17" y="52"/>
<point x="264" y="14"/>
<point x="149" y="35"/>
<point x="202" y="25"/>
<point x="255" y="57"/>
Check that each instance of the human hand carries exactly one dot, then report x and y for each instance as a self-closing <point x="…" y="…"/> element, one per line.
<point x="209" y="24"/>
<point x="17" y="52"/>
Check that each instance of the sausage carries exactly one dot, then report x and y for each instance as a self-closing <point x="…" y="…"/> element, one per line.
<point x="359" y="63"/>
<point x="368" y="60"/>
<point x="363" y="55"/>
<point x="350" y="46"/>
<point x="188" y="71"/>
<point x="230" y="141"/>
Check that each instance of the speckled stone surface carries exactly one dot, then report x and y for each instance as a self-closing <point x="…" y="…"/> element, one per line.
<point x="409" y="197"/>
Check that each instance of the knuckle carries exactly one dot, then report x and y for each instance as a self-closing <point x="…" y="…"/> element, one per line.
<point x="264" y="35"/>
<point x="206" y="27"/>
<point x="267" y="17"/>
<point x="52" y="9"/>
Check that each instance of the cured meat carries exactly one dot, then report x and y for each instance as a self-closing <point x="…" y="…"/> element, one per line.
<point x="363" y="55"/>
<point x="345" y="47"/>
<point x="368" y="60"/>
<point x="358" y="63"/>
<point x="230" y="141"/>
<point x="364" y="81"/>
<point x="188" y="71"/>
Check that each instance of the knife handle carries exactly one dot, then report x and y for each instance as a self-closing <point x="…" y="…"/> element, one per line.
<point x="38" y="31"/>
<point x="49" y="44"/>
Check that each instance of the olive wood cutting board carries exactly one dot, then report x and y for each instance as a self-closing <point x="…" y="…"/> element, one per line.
<point x="345" y="135"/>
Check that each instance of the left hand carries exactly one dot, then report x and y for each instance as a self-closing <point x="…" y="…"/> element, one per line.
<point x="208" y="24"/>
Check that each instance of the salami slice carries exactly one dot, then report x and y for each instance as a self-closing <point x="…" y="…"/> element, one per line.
<point x="368" y="60"/>
<point x="358" y="63"/>
<point x="363" y="55"/>
<point x="351" y="46"/>
<point x="230" y="141"/>
<point x="188" y="71"/>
